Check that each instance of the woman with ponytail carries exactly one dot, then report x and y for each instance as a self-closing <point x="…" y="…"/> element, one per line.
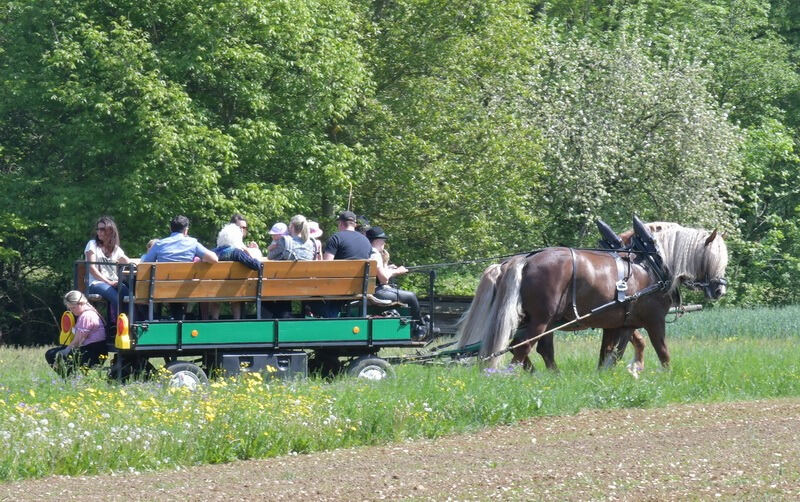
<point x="88" y="345"/>
<point x="297" y="245"/>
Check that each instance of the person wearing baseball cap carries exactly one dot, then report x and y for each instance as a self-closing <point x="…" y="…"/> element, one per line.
<point x="347" y="244"/>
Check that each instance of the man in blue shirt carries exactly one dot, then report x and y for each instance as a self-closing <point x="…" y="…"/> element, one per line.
<point x="179" y="246"/>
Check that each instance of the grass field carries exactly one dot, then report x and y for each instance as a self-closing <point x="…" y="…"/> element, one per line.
<point x="86" y="425"/>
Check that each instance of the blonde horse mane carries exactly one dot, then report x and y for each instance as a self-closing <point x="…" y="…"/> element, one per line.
<point x="688" y="254"/>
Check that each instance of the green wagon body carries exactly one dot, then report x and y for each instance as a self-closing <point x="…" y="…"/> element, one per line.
<point x="200" y="346"/>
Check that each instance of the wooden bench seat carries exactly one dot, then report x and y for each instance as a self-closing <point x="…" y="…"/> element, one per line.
<point x="230" y="281"/>
<point x="182" y="282"/>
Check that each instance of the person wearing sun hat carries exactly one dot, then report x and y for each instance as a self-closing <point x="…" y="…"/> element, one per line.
<point x="385" y="290"/>
<point x="315" y="233"/>
<point x="277" y="231"/>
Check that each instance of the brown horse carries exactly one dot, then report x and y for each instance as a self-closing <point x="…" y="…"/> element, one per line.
<point x="537" y="290"/>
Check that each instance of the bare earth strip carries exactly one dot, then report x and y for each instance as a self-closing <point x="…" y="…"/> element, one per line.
<point x="742" y="451"/>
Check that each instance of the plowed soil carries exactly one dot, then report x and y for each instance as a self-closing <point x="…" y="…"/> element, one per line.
<point x="741" y="451"/>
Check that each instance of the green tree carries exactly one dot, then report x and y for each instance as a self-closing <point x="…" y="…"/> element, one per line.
<point x="453" y="161"/>
<point x="147" y="110"/>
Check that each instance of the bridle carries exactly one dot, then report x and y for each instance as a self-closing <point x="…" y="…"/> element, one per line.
<point x="709" y="285"/>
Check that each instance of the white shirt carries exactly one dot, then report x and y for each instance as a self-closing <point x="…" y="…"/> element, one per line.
<point x="109" y="267"/>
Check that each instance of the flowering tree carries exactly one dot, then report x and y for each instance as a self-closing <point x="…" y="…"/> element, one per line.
<point x="626" y="134"/>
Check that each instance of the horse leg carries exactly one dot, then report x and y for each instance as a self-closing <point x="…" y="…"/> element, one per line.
<point x="609" y="345"/>
<point x="543" y="345"/>
<point x="636" y="365"/>
<point x="521" y="357"/>
<point x="657" y="333"/>
<point x="622" y="344"/>
<point x="546" y="349"/>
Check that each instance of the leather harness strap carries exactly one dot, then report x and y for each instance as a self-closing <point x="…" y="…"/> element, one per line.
<point x="621" y="285"/>
<point x="622" y="279"/>
<point x="574" y="284"/>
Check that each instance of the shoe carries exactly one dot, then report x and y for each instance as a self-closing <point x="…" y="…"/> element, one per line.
<point x="420" y="331"/>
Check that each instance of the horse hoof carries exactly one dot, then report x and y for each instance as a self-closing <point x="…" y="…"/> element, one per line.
<point x="633" y="370"/>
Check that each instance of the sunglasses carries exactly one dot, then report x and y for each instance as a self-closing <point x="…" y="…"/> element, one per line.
<point x="100" y="228"/>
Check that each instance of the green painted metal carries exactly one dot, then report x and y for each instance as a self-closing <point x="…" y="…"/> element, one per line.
<point x="204" y="333"/>
<point x="263" y="331"/>
<point x="323" y="330"/>
<point x="390" y="329"/>
<point x="157" y="334"/>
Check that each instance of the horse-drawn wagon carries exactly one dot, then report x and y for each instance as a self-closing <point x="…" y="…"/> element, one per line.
<point x="630" y="283"/>
<point x="286" y="347"/>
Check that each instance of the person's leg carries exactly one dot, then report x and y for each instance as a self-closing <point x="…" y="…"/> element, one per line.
<point x="410" y="299"/>
<point x="177" y="311"/>
<point x="109" y="294"/>
<point x="90" y="355"/>
<point x="50" y="355"/>
<point x="332" y="308"/>
<point x="387" y="292"/>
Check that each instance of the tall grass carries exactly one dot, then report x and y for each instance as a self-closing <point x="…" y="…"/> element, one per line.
<point x="86" y="425"/>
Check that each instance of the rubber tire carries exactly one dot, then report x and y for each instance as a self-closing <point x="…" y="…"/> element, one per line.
<point x="370" y="368"/>
<point x="186" y="374"/>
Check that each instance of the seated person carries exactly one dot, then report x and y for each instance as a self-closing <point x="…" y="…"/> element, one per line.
<point x="88" y="343"/>
<point x="178" y="247"/>
<point x="315" y="233"/>
<point x="297" y="245"/>
<point x="277" y="231"/>
<point x="346" y="244"/>
<point x="386" y="291"/>
<point x="251" y="247"/>
<point x="103" y="253"/>
<point x="231" y="247"/>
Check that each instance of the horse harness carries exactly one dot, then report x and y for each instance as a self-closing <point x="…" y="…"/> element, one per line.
<point x="624" y="271"/>
<point x="644" y="246"/>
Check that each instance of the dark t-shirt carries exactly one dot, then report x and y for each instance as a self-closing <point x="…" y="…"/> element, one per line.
<point x="348" y="245"/>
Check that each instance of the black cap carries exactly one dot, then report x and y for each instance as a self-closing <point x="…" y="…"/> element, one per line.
<point x="376" y="233"/>
<point x="347" y="216"/>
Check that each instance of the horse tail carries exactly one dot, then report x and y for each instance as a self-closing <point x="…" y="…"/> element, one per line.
<point x="507" y="312"/>
<point x="478" y="317"/>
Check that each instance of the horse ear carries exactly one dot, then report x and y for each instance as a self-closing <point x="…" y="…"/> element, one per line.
<point x="711" y="237"/>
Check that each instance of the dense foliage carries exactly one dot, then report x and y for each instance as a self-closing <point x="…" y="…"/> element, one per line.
<point x="466" y="129"/>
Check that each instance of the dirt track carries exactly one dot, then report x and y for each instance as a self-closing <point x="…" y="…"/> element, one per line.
<point x="740" y="451"/>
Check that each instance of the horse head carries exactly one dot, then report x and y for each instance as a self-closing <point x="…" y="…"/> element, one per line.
<point x="716" y="260"/>
<point x="696" y="258"/>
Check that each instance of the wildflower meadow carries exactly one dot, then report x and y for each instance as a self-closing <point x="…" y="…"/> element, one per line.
<point x="86" y="425"/>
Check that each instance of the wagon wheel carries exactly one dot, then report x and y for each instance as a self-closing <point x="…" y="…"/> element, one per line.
<point x="185" y="374"/>
<point x="370" y="367"/>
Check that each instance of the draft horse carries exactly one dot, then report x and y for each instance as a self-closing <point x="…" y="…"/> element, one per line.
<point x="556" y="285"/>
